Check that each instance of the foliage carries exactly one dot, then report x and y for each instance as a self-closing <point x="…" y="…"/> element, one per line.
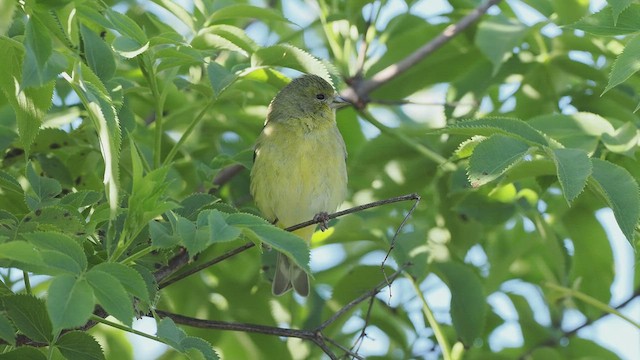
<point x="126" y="130"/>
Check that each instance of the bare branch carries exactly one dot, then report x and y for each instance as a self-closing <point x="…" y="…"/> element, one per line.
<point x="359" y="91"/>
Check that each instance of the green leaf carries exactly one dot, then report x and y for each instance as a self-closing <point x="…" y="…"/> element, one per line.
<point x="23" y="353"/>
<point x="29" y="315"/>
<point x="493" y="157"/>
<point x="580" y="130"/>
<point x="591" y="267"/>
<point x="490" y="126"/>
<point x="626" y="64"/>
<point x="210" y="37"/>
<point x="70" y="302"/>
<point x="606" y="23"/>
<point x="621" y="192"/>
<point x="468" y="303"/>
<point x="62" y="244"/>
<point x="219" y="77"/>
<point x="25" y="253"/>
<point x="574" y="168"/>
<point x="623" y="141"/>
<point x="617" y="7"/>
<point x="220" y="230"/>
<point x="128" y="277"/>
<point x="161" y="236"/>
<point x="78" y="345"/>
<point x="7" y="9"/>
<point x="240" y="11"/>
<point x="570" y="10"/>
<point x="193" y="204"/>
<point x="105" y="120"/>
<point x="285" y="242"/>
<point x="7" y="332"/>
<point x="98" y="54"/>
<point x="170" y="333"/>
<point x="44" y="189"/>
<point x="286" y="55"/>
<point x="81" y="199"/>
<point x="195" y="238"/>
<point x="125" y="26"/>
<point x="111" y="295"/>
<point x="358" y="281"/>
<point x="200" y="345"/>
<point x="128" y="47"/>
<point x="29" y="104"/>
<point x="41" y="64"/>
<point x="497" y="36"/>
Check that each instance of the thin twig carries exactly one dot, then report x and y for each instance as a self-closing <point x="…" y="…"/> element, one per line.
<point x="346" y="351"/>
<point x="407" y="197"/>
<point x="358" y="300"/>
<point x="183" y="258"/>
<point x="359" y="91"/>
<point x="363" y="332"/>
<point x="393" y="242"/>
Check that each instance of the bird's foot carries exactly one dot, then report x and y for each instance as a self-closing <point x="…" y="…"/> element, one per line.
<point x="323" y="220"/>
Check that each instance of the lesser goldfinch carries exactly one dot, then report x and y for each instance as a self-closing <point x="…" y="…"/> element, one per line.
<point x="299" y="170"/>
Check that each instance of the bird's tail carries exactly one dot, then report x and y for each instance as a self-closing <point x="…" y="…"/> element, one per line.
<point x="288" y="275"/>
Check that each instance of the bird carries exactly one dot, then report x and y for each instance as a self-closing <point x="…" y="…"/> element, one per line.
<point x="299" y="170"/>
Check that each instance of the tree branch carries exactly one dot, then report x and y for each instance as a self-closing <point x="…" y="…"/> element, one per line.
<point x="182" y="258"/>
<point x="359" y="90"/>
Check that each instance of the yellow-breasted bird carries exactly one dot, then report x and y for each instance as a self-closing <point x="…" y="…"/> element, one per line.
<point x="299" y="170"/>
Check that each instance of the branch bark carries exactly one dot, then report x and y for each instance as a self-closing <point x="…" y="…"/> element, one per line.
<point x="359" y="89"/>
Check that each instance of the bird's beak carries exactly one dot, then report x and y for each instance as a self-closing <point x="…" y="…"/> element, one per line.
<point x="338" y="102"/>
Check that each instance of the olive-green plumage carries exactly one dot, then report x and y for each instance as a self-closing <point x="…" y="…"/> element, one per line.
<point x="299" y="167"/>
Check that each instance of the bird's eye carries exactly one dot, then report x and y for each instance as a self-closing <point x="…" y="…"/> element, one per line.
<point x="320" y="96"/>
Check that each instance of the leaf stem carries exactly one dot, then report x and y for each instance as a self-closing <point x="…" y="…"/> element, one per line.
<point x="27" y="282"/>
<point x="125" y="328"/>
<point x="440" y="337"/>
<point x="421" y="149"/>
<point x="591" y="301"/>
<point x="185" y="135"/>
<point x="147" y="70"/>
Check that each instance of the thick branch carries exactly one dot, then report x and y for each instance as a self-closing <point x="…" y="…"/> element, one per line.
<point x="359" y="91"/>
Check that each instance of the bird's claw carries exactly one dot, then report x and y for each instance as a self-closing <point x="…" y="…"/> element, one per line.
<point x="322" y="219"/>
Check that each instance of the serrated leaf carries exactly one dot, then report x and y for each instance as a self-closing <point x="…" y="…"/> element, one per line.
<point x="79" y="345"/>
<point x="497" y="36"/>
<point x="287" y="243"/>
<point x="161" y="236"/>
<point x="491" y="126"/>
<point x="192" y="204"/>
<point x="465" y="149"/>
<point x="44" y="188"/>
<point x="468" y="302"/>
<point x="493" y="157"/>
<point x="41" y="64"/>
<point x="621" y="192"/>
<point x="240" y="11"/>
<point x="219" y="77"/>
<point x="605" y="23"/>
<point x="125" y="26"/>
<point x="23" y="252"/>
<point x="200" y="345"/>
<point x="623" y="141"/>
<point x="70" y="302"/>
<point x="574" y="168"/>
<point x="195" y="238"/>
<point x="29" y="315"/>
<point x="168" y="331"/>
<point x="81" y="199"/>
<point x="62" y="244"/>
<point x="591" y="269"/>
<point x="580" y="130"/>
<point x="23" y="353"/>
<point x="111" y="295"/>
<point x="98" y="54"/>
<point x="286" y="55"/>
<point x="617" y="7"/>
<point x="105" y="120"/>
<point x="128" y="277"/>
<point x="220" y="230"/>
<point x="232" y="34"/>
<point x="29" y="104"/>
<point x="626" y="64"/>
<point x="7" y="332"/>
<point x="53" y="218"/>
<point x="128" y="47"/>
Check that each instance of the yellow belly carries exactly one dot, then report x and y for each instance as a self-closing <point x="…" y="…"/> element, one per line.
<point x="298" y="174"/>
